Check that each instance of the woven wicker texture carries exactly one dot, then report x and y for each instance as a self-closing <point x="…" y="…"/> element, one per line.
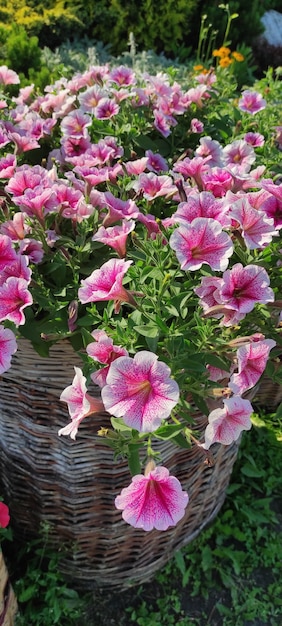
<point x="269" y="394"/>
<point x="73" y="484"/>
<point x="8" y="603"/>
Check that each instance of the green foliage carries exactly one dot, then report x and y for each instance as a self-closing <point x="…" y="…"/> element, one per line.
<point x="52" y="22"/>
<point x="158" y="25"/>
<point x="20" y="51"/>
<point x="43" y="595"/>
<point x="237" y="561"/>
<point x="244" y="28"/>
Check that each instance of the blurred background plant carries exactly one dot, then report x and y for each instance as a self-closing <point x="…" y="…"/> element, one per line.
<point x="179" y="30"/>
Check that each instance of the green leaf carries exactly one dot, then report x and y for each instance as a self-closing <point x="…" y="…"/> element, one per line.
<point x="28" y="593"/>
<point x="147" y="330"/>
<point x="217" y="361"/>
<point x="119" y="425"/>
<point x="251" y="471"/>
<point x="133" y="459"/>
<point x="168" y="431"/>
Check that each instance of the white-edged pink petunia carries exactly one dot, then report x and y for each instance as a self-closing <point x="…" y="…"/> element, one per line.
<point x="140" y="391"/>
<point x="257" y="228"/>
<point x="226" y="424"/>
<point x="202" y="241"/>
<point x="242" y="288"/>
<point x="8" y="347"/>
<point x="105" y="283"/>
<point x="252" y="359"/>
<point x="153" y="501"/>
<point x="251" y="102"/>
<point x="104" y="351"/>
<point x="14" y="297"/>
<point x="80" y="403"/>
<point x="115" y="236"/>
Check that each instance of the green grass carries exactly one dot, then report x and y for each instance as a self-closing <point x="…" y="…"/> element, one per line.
<point x="229" y="576"/>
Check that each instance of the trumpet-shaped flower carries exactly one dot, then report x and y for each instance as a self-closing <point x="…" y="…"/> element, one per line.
<point x="226" y="424"/>
<point x="103" y="351"/>
<point x="153" y="501"/>
<point x="140" y="390"/>
<point x="252" y="359"/>
<point x="257" y="228"/>
<point x="243" y="287"/>
<point x="116" y="236"/>
<point x="202" y="241"/>
<point x="7" y="253"/>
<point x="251" y="102"/>
<point x="105" y="283"/>
<point x="14" y="297"/>
<point x="8" y="347"/>
<point x="80" y="403"/>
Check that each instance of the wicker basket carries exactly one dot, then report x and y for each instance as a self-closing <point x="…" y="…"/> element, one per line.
<point x="269" y="394"/>
<point x="8" y="603"/>
<point x="72" y="484"/>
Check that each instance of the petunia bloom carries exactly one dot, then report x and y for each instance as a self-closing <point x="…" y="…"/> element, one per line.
<point x="4" y="515"/>
<point x="80" y="403"/>
<point x="153" y="501"/>
<point x="202" y="241"/>
<point x="243" y="287"/>
<point x="140" y="390"/>
<point x="252" y="359"/>
<point x="14" y="297"/>
<point x="226" y="424"/>
<point x="251" y="102"/>
<point x="8" y="346"/>
<point x="105" y="283"/>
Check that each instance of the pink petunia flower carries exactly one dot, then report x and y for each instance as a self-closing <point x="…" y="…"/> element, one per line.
<point x="8" y="77"/>
<point x="273" y="209"/>
<point x="106" y="108"/>
<point x="226" y="424"/>
<point x="154" y="186"/>
<point x="105" y="283"/>
<point x="7" y="165"/>
<point x="122" y="75"/>
<point x="244" y="287"/>
<point x="153" y="501"/>
<point x="80" y="403"/>
<point x="155" y="162"/>
<point x="104" y="351"/>
<point x="140" y="390"/>
<point x="4" y="515"/>
<point x="240" y="154"/>
<point x="252" y="359"/>
<point x="218" y="181"/>
<point x="203" y="204"/>
<point x="257" y="229"/>
<point x="116" y="236"/>
<point x="210" y="148"/>
<point x="196" y="126"/>
<point x="118" y="209"/>
<point x="14" y="298"/>
<point x="7" y="252"/>
<point x="8" y="347"/>
<point x="251" y="102"/>
<point x="202" y="241"/>
<point x="254" y="139"/>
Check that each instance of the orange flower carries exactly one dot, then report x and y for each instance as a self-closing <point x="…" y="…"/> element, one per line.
<point x="238" y="56"/>
<point x="221" y="52"/>
<point x="198" y="68"/>
<point x="225" y="62"/>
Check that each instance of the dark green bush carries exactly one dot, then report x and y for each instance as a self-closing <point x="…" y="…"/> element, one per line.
<point x="161" y="25"/>
<point x="243" y="29"/>
<point x="20" y="51"/>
